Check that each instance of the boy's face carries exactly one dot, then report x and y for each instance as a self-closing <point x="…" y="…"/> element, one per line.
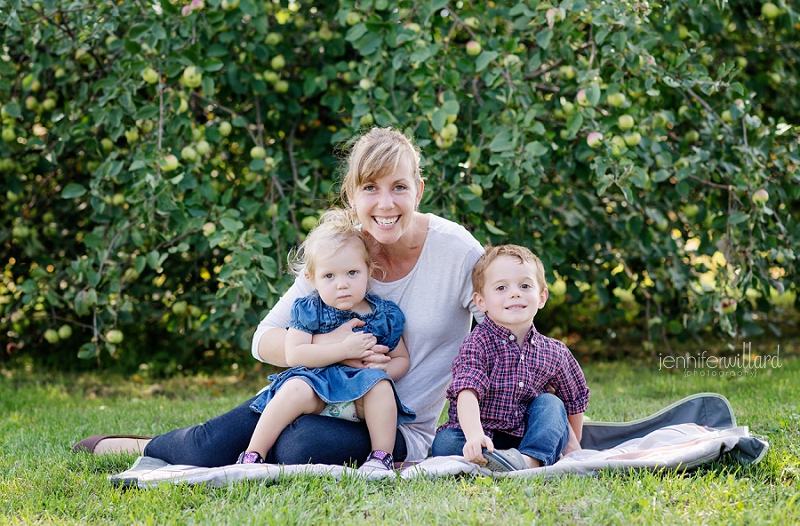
<point x="511" y="295"/>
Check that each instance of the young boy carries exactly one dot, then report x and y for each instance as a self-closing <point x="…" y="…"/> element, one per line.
<point x="504" y="369"/>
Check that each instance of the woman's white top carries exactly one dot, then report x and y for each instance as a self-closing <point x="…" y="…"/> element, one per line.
<point x="436" y="298"/>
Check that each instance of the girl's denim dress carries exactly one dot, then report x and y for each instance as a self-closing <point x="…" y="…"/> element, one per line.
<point x="336" y="384"/>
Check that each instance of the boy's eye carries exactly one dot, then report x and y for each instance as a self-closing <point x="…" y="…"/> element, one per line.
<point x="501" y="287"/>
<point x="525" y="286"/>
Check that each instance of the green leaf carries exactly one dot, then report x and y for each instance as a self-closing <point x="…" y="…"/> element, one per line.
<point x="439" y="119"/>
<point x="544" y="38"/>
<point x="484" y="59"/>
<point x="494" y="230"/>
<point x="593" y="94"/>
<point x="536" y="148"/>
<point x="72" y="191"/>
<point x="502" y="142"/>
<point x="737" y="217"/>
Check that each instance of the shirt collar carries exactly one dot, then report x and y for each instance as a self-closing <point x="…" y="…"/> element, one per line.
<point x="506" y="334"/>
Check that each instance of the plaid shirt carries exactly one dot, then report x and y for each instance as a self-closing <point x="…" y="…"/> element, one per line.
<point x="507" y="378"/>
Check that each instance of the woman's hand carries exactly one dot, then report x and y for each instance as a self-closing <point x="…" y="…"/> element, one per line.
<point x="359" y="345"/>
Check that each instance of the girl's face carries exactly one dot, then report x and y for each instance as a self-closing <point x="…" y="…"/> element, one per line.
<point x="342" y="278"/>
<point x="385" y="207"/>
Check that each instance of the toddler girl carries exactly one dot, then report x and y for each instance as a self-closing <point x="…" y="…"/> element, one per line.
<point x="335" y="260"/>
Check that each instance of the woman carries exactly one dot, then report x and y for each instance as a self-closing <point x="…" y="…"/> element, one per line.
<point x="425" y="264"/>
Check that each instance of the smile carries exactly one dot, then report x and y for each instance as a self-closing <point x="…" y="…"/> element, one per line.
<point x="516" y="307"/>
<point x="386" y="221"/>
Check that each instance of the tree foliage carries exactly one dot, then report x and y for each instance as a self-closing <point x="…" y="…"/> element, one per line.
<point x="161" y="158"/>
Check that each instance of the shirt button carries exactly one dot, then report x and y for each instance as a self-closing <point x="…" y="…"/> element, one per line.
<point x="521" y="358"/>
<point x="511" y="337"/>
<point x="522" y="384"/>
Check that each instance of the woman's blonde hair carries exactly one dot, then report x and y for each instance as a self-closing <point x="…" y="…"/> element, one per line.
<point x="375" y="154"/>
<point x="335" y="230"/>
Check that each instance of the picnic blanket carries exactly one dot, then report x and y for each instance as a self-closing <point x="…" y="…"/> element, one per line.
<point x="689" y="433"/>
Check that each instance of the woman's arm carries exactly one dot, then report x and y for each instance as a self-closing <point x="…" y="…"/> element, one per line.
<point x="272" y="347"/>
<point x="398" y="363"/>
<point x="300" y="350"/>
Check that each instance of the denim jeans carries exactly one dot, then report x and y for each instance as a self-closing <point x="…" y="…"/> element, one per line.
<point x="546" y="433"/>
<point x="309" y="439"/>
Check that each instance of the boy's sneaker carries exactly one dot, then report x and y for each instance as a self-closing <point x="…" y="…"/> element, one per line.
<point x="379" y="464"/>
<point x="250" y="457"/>
<point x="504" y="460"/>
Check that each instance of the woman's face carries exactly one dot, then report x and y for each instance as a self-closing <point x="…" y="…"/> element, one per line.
<point x="385" y="207"/>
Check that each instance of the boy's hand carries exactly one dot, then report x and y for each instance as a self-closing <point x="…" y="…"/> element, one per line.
<point x="473" y="449"/>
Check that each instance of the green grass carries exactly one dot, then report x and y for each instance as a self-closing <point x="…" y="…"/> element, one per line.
<point x="42" y="481"/>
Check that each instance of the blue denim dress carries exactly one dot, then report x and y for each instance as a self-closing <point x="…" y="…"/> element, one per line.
<point x="339" y="383"/>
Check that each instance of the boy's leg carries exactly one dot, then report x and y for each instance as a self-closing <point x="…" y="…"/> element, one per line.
<point x="448" y="442"/>
<point x="378" y="409"/>
<point x="546" y="429"/>
<point x="295" y="398"/>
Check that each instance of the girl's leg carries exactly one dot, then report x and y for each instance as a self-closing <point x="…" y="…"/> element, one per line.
<point x="448" y="442"/>
<point x="215" y="443"/>
<point x="546" y="430"/>
<point x="379" y="409"/>
<point x="295" y="398"/>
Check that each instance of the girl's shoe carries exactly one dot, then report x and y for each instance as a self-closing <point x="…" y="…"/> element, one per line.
<point x="250" y="457"/>
<point x="378" y="462"/>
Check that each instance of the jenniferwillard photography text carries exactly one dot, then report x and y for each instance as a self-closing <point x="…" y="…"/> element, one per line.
<point x="743" y="364"/>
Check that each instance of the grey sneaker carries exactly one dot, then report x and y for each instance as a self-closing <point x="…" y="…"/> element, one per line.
<point x="504" y="460"/>
<point x="379" y="463"/>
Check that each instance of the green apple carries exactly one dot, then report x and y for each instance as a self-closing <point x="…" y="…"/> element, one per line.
<point x="728" y="306"/>
<point x="352" y="18"/>
<point x="625" y="122"/>
<point x="224" y="128"/>
<point x="257" y="152"/>
<point x="271" y="77"/>
<point x="51" y="335"/>
<point x="618" y="141"/>
<point x="770" y="11"/>
<point x="442" y="143"/>
<point x="146" y="125"/>
<point x="9" y="135"/>
<point x="365" y="84"/>
<point x="449" y="132"/>
<point x="118" y="199"/>
<point x="325" y="33"/>
<point x="472" y="22"/>
<point x="209" y="229"/>
<point x="169" y="163"/>
<point x="473" y="48"/>
<point x="581" y="99"/>
<point x="64" y="332"/>
<point x="558" y="288"/>
<point x="741" y="62"/>
<point x="366" y="120"/>
<point x="683" y="32"/>
<point x="760" y="196"/>
<point x="179" y="308"/>
<point x="567" y="72"/>
<point x="107" y="144"/>
<point x="594" y="139"/>
<point x="309" y="222"/>
<point x="150" y="75"/>
<point x="277" y="63"/>
<point x="633" y="139"/>
<point x="510" y="60"/>
<point x="726" y="116"/>
<point x="616" y="99"/>
<point x="188" y="153"/>
<point x="31" y="103"/>
<point x="114" y="336"/>
<point x="692" y="136"/>
<point x="191" y="77"/>
<point x="281" y="86"/>
<point x="132" y="135"/>
<point x="690" y="210"/>
<point x="414" y="27"/>
<point x="476" y="189"/>
<point x="229" y="5"/>
<point x="202" y="147"/>
<point x="568" y="108"/>
<point x="273" y="39"/>
<point x="381" y="5"/>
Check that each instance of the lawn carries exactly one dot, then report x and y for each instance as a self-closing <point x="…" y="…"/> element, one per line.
<point x="42" y="481"/>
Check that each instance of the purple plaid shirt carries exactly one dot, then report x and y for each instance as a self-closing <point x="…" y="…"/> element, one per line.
<point x="507" y="378"/>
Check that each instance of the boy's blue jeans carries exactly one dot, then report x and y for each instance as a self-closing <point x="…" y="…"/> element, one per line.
<point x="546" y="433"/>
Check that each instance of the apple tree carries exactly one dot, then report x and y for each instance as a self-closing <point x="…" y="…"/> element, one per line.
<point x="160" y="159"/>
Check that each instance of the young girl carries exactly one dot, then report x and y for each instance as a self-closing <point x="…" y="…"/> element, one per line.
<point x="335" y="260"/>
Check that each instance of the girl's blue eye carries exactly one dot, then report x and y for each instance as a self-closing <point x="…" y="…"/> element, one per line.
<point x="353" y="272"/>
<point x="328" y="275"/>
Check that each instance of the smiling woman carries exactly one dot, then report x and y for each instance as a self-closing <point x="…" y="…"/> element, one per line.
<point x="416" y="252"/>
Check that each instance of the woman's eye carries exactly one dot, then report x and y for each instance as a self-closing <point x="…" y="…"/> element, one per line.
<point x="369" y="188"/>
<point x="401" y="188"/>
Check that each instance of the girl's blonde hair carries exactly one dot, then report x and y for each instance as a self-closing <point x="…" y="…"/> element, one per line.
<point x="335" y="230"/>
<point x="375" y="154"/>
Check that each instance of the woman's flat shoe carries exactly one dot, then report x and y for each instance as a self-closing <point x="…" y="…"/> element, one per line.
<point x="89" y="444"/>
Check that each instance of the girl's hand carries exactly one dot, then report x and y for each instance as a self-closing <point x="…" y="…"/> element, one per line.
<point x="359" y="344"/>
<point x="339" y="334"/>
<point x="383" y="366"/>
<point x="473" y="449"/>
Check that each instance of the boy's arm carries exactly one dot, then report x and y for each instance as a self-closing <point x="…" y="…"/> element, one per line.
<point x="301" y="351"/>
<point x="575" y="433"/>
<point x="469" y="418"/>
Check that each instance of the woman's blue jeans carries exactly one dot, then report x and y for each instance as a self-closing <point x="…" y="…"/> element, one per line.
<point x="546" y="433"/>
<point x="309" y="439"/>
